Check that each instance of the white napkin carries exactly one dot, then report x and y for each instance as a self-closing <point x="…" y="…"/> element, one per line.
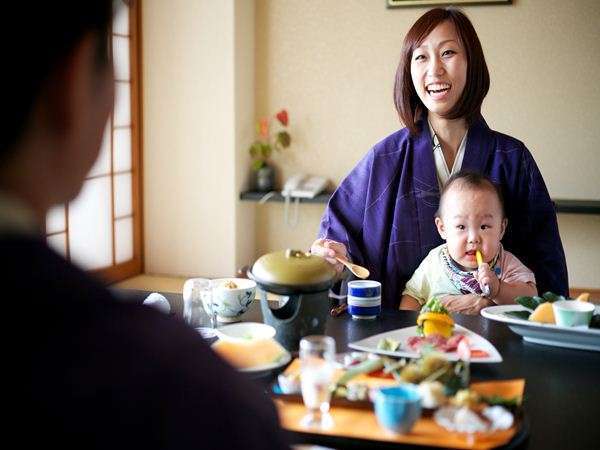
<point x="158" y="302"/>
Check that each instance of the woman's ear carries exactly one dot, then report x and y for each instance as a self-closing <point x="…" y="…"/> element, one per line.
<point x="439" y="223"/>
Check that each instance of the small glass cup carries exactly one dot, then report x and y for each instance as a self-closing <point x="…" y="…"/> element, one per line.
<point x="317" y="356"/>
<point x="197" y="305"/>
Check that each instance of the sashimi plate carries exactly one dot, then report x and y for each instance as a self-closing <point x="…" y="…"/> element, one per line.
<point x="402" y="336"/>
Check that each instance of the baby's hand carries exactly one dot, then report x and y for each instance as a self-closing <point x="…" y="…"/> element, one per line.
<point x="485" y="275"/>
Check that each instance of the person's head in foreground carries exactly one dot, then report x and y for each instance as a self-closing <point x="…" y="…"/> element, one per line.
<point x="470" y="218"/>
<point x="58" y="96"/>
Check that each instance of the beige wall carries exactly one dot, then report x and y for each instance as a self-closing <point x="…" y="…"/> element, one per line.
<point x="211" y="66"/>
<point x="198" y="107"/>
<point x="332" y="65"/>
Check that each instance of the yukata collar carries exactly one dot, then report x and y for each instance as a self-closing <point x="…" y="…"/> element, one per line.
<point x="463" y="280"/>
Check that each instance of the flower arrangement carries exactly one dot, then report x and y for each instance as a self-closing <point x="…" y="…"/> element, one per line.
<point x="262" y="149"/>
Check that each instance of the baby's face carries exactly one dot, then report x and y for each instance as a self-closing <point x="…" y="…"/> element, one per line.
<point x="471" y="220"/>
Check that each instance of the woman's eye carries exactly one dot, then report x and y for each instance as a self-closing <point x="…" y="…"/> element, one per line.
<point x="485" y="227"/>
<point x="419" y="57"/>
<point x="460" y="227"/>
<point x="448" y="53"/>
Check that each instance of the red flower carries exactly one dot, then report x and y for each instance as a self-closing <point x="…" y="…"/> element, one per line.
<point x="282" y="116"/>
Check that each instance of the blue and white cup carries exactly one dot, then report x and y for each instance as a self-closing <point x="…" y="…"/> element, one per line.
<point x="364" y="288"/>
<point x="364" y="299"/>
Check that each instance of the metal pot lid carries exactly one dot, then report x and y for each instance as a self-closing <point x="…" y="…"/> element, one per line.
<point x="293" y="271"/>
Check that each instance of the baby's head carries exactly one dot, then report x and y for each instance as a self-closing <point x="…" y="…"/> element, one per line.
<point x="471" y="217"/>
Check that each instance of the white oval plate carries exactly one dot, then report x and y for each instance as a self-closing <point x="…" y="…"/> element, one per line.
<point x="582" y="338"/>
<point x="282" y="361"/>
<point x="401" y="335"/>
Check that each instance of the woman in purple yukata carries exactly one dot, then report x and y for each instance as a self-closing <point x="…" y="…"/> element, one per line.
<point x="382" y="214"/>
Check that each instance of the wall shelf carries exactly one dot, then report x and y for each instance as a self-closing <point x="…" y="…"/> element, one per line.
<point x="577" y="206"/>
<point x="562" y="205"/>
<point x="254" y="196"/>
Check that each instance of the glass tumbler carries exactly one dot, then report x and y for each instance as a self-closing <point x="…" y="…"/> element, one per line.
<point x="317" y="354"/>
<point x="197" y="304"/>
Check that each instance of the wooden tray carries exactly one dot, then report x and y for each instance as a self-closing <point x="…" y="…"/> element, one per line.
<point x="358" y="423"/>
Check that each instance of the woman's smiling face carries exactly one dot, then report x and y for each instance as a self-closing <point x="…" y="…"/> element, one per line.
<point x="438" y="69"/>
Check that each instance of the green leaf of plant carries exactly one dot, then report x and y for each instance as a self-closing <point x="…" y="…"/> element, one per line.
<point x="283" y="138"/>
<point x="266" y="151"/>
<point x="258" y="164"/>
<point x="254" y="149"/>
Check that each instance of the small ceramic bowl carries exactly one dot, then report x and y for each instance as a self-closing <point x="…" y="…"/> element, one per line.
<point x="364" y="288"/>
<point x="398" y="407"/>
<point x="572" y="313"/>
<point x="245" y="331"/>
<point x="230" y="303"/>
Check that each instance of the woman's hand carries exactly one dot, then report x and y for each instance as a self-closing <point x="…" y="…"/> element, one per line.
<point x="465" y="304"/>
<point x="329" y="250"/>
<point x="485" y="275"/>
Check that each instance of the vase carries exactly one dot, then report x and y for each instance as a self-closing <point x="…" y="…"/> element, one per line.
<point x="265" y="179"/>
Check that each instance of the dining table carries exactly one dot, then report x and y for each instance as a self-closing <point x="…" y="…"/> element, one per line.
<point x="561" y="405"/>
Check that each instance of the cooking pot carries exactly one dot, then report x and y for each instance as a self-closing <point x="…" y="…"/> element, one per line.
<point x="305" y="280"/>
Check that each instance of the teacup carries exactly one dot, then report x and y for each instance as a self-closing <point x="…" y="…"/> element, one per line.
<point x="231" y="297"/>
<point x="398" y="407"/>
<point x="364" y="288"/>
<point x="364" y="307"/>
<point x="572" y="313"/>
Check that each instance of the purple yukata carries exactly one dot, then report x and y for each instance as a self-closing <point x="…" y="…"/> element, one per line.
<point x="383" y="211"/>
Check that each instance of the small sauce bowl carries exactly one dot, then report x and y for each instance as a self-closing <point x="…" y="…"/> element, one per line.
<point x="572" y="313"/>
<point x="398" y="407"/>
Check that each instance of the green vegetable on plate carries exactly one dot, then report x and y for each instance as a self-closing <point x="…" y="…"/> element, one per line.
<point x="388" y="344"/>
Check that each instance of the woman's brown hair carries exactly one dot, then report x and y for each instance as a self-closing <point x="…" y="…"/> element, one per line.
<point x="408" y="104"/>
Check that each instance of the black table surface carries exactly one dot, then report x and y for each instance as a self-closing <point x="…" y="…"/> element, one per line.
<point x="562" y="392"/>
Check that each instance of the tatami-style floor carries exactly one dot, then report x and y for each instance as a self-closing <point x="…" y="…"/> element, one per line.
<point x="155" y="283"/>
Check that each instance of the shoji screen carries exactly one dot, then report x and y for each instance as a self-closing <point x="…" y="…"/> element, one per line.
<point x="101" y="229"/>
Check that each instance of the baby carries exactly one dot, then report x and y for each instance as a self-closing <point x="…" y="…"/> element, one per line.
<point x="470" y="217"/>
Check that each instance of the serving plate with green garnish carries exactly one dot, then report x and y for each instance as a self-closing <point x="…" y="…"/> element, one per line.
<point x="517" y="319"/>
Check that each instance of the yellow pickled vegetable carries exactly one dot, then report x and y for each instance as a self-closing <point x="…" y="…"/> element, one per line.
<point x="583" y="297"/>
<point x="543" y="314"/>
<point x="436" y="323"/>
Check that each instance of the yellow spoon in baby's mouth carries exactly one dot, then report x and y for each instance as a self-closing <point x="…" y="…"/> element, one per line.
<point x="485" y="287"/>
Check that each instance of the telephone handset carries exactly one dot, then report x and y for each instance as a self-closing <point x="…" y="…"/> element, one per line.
<point x="300" y="186"/>
<point x="304" y="186"/>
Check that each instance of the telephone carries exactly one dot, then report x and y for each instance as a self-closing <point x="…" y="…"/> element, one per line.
<point x="300" y="186"/>
<point x="304" y="186"/>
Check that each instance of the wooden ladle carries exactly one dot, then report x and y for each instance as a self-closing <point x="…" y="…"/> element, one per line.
<point x="357" y="270"/>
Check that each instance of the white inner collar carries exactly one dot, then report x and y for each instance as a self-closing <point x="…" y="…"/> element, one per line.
<point x="441" y="168"/>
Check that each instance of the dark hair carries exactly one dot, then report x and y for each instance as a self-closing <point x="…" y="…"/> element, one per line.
<point x="408" y="104"/>
<point x="35" y="39"/>
<point x="471" y="180"/>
